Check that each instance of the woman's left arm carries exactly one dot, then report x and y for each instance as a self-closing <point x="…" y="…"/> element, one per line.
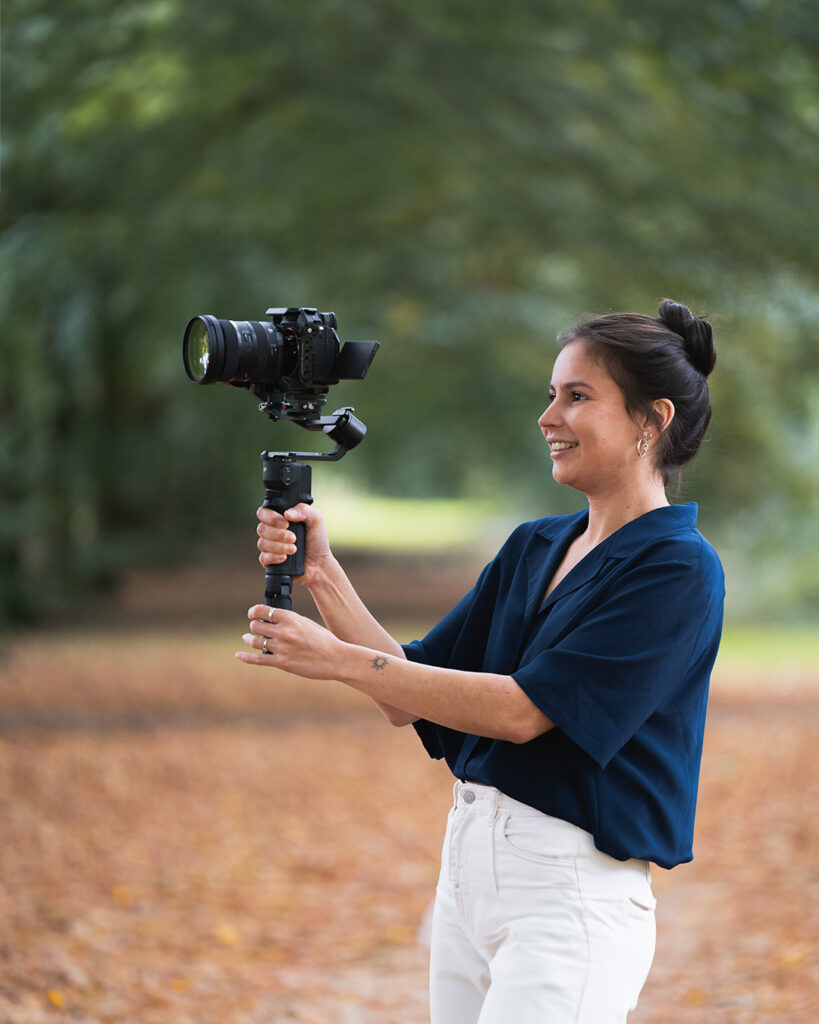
<point x="482" y="703"/>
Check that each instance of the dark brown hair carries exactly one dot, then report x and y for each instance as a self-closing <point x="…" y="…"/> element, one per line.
<point x="668" y="356"/>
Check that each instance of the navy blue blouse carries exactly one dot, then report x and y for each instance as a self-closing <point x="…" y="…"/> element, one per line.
<point x="618" y="656"/>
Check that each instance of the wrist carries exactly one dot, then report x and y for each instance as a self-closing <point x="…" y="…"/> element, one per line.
<point x="348" y="661"/>
<point x="324" y="575"/>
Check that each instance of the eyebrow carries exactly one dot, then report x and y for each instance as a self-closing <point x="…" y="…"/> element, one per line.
<point x="574" y="384"/>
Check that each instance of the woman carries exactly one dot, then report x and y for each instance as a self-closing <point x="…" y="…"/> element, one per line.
<point x="567" y="690"/>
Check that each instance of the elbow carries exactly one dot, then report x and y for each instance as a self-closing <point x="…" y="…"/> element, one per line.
<point x="529" y="726"/>
<point x="524" y="721"/>
<point x="520" y="733"/>
<point x="398" y="722"/>
<point x="397" y="718"/>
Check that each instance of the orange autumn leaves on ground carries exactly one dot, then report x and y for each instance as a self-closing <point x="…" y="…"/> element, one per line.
<point x="185" y="841"/>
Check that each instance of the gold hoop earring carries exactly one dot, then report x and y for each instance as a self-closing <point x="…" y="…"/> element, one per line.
<point x="642" y="445"/>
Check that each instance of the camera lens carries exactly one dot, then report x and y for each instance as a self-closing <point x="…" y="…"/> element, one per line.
<point x="236" y="351"/>
<point x="197" y="350"/>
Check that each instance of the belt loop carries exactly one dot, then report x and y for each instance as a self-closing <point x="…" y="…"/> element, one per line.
<point x="493" y="820"/>
<point x="493" y="816"/>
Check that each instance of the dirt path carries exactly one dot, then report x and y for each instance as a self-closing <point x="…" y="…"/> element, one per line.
<point x="186" y="842"/>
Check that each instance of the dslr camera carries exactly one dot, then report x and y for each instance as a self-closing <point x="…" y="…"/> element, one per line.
<point x="288" y="362"/>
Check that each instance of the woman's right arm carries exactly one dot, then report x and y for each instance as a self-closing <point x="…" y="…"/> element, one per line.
<point x="338" y="603"/>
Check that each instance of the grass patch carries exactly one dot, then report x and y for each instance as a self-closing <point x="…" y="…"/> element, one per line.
<point x="770" y="647"/>
<point x="768" y="659"/>
<point x="356" y="520"/>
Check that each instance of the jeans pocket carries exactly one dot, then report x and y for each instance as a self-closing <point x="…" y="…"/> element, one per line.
<point x="540" y="840"/>
<point x="647" y="903"/>
<point x="641" y="895"/>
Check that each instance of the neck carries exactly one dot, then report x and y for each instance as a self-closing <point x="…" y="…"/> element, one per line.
<point x="608" y="513"/>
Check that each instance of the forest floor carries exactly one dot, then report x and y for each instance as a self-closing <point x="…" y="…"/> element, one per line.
<point x="186" y="840"/>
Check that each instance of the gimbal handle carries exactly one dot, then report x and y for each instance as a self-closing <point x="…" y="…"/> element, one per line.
<point x="286" y="483"/>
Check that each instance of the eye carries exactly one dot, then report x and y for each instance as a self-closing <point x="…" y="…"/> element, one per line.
<point x="578" y="396"/>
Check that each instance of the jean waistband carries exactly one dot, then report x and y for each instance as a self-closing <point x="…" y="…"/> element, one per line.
<point x="489" y="800"/>
<point x="466" y="793"/>
<point x="470" y="792"/>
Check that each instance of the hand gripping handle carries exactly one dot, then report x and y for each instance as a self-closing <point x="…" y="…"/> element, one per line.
<point x="287" y="483"/>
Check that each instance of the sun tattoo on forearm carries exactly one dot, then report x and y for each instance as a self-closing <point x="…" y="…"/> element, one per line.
<point x="378" y="663"/>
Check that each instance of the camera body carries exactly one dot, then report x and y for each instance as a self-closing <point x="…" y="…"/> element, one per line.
<point x="288" y="362"/>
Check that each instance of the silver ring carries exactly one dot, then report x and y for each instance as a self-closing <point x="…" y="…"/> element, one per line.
<point x="270" y="614"/>
<point x="264" y="646"/>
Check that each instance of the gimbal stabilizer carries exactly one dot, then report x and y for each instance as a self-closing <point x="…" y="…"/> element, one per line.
<point x="289" y="363"/>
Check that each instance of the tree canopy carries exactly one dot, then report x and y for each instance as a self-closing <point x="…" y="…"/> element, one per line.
<point x="460" y="181"/>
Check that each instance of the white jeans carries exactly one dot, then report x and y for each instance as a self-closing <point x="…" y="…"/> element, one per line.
<point x="532" y="923"/>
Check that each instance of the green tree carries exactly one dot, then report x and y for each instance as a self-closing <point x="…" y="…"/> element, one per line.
<point x="458" y="180"/>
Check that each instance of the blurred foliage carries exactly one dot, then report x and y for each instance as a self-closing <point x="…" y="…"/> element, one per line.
<point x="459" y="181"/>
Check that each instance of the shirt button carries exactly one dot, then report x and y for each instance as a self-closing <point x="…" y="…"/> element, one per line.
<point x="469" y="796"/>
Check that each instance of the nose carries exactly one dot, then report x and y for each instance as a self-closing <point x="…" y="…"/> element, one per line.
<point x="548" y="417"/>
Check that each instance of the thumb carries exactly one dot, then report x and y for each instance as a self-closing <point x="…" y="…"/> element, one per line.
<point x="299" y="513"/>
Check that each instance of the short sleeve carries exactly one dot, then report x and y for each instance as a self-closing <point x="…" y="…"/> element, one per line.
<point x="635" y="649"/>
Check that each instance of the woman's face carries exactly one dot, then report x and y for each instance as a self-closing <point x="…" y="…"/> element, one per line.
<point x="591" y="435"/>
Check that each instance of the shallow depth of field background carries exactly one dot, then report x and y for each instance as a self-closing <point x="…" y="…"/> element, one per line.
<point x="184" y="839"/>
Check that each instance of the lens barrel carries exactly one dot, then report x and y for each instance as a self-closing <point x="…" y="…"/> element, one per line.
<point x="236" y="351"/>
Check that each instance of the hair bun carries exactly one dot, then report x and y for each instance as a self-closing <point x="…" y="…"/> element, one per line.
<point x="695" y="332"/>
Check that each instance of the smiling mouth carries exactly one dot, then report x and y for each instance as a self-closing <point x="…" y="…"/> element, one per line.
<point x="561" y="446"/>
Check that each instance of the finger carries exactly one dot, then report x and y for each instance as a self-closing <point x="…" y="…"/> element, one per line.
<point x="266" y="613"/>
<point x="255" y="658"/>
<point x="277" y="534"/>
<point x="260" y="642"/>
<point x="270" y="516"/>
<point x="274" y="551"/>
<point x="262" y="611"/>
<point x="265" y="627"/>
<point x="269" y="558"/>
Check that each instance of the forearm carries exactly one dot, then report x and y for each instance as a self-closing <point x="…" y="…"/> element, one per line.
<point x="348" y="618"/>
<point x="346" y="615"/>
<point x="482" y="703"/>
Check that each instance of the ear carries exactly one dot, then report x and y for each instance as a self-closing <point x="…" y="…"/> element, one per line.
<point x="664" y="410"/>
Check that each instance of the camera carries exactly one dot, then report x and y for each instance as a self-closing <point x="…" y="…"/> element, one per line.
<point x="288" y="362"/>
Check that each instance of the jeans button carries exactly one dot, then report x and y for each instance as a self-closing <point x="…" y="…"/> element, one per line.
<point x="469" y="796"/>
